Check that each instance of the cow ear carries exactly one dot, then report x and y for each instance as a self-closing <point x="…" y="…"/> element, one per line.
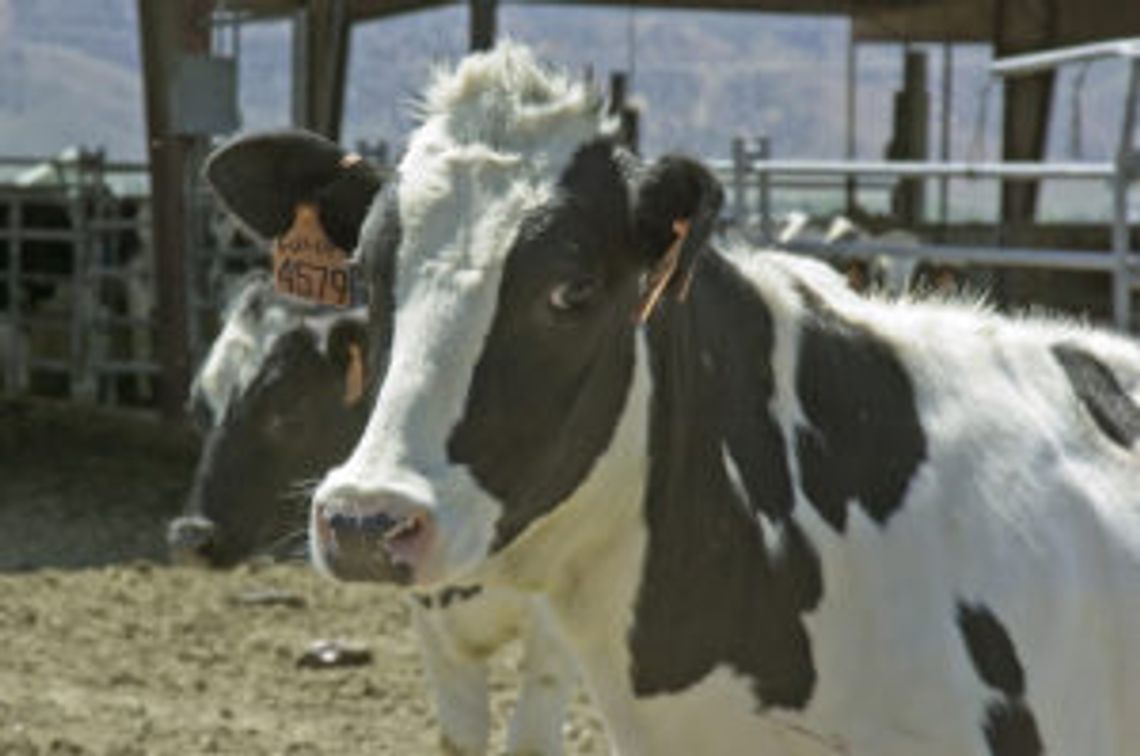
<point x="261" y="178"/>
<point x="676" y="207"/>
<point x="347" y="351"/>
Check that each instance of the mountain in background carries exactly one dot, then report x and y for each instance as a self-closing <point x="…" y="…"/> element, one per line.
<point x="69" y="74"/>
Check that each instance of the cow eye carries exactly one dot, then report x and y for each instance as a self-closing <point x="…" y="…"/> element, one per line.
<point x="573" y="295"/>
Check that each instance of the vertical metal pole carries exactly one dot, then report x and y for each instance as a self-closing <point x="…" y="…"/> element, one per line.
<point x="168" y="29"/>
<point x="81" y="206"/>
<point x="763" y="186"/>
<point x="851" y="88"/>
<point x="482" y="24"/>
<point x="322" y="31"/>
<point x="738" y="201"/>
<point x="944" y="130"/>
<point x="1125" y="155"/>
<point x="301" y="98"/>
<point x="16" y="368"/>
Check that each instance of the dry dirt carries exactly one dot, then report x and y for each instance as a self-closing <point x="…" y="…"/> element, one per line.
<point x="105" y="650"/>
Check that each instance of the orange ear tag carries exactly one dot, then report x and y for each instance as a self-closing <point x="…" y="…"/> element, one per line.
<point x="308" y="265"/>
<point x="662" y="274"/>
<point x="354" y="375"/>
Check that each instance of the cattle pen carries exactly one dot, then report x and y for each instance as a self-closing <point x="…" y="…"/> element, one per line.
<point x="752" y="175"/>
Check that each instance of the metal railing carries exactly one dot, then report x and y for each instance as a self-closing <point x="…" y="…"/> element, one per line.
<point x="62" y="235"/>
<point x="752" y="171"/>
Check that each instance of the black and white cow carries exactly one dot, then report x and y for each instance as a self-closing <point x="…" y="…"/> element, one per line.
<point x="774" y="517"/>
<point x="280" y="399"/>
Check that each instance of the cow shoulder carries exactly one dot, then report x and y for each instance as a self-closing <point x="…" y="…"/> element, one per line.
<point x="862" y="440"/>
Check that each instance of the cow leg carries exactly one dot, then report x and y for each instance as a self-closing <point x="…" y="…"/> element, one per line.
<point x="549" y="679"/>
<point x="459" y="685"/>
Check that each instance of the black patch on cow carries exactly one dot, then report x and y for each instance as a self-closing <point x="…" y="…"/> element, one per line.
<point x="712" y="593"/>
<point x="1011" y="730"/>
<point x="1008" y="725"/>
<point x="863" y="440"/>
<point x="1094" y="384"/>
<point x="550" y="385"/>
<point x="991" y="650"/>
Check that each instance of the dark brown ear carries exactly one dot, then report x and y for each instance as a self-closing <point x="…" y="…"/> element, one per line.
<point x="348" y="352"/>
<point x="261" y="178"/>
<point x="677" y="204"/>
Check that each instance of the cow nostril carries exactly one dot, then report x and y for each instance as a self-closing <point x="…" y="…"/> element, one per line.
<point x="380" y="523"/>
<point x="381" y="536"/>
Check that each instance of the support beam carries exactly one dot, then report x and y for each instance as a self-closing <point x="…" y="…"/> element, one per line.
<point x="483" y="23"/>
<point x="322" y="31"/>
<point x="1020" y="26"/>
<point x="910" y="139"/>
<point x="169" y="29"/>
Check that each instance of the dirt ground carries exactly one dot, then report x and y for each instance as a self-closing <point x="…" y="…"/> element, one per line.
<point x="105" y="650"/>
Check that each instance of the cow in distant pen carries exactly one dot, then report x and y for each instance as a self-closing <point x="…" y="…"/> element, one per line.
<point x="281" y="397"/>
<point x="769" y="515"/>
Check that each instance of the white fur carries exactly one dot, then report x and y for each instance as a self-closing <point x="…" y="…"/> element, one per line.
<point x="237" y="355"/>
<point x="1022" y="504"/>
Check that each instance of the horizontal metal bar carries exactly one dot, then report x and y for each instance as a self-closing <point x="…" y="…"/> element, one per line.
<point x="117" y="166"/>
<point x="55" y="366"/>
<point x="45" y="278"/>
<point x="815" y="182"/>
<point x="1035" y="62"/>
<point x="1024" y="170"/>
<point x="1014" y="257"/>
<point x="25" y="233"/>
<point x="118" y="273"/>
<point x="50" y="320"/>
<point x="123" y="321"/>
<point x="118" y="224"/>
<point x="127" y="367"/>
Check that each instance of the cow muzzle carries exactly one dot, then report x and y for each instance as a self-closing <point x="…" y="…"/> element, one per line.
<point x="381" y="537"/>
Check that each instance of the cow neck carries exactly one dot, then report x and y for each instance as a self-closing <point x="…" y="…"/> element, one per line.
<point x="727" y="574"/>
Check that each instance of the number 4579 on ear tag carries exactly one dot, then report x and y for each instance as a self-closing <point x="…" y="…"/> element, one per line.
<point x="308" y="265"/>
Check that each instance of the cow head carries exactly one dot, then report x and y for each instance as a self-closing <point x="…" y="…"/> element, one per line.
<point x="279" y="400"/>
<point x="514" y="257"/>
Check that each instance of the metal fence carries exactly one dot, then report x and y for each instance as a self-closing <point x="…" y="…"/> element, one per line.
<point x="77" y="278"/>
<point x="77" y="275"/>
<point x="70" y="286"/>
<point x="752" y="176"/>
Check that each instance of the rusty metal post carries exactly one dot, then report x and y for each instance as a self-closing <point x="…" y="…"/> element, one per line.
<point x="168" y="29"/>
<point x="483" y="23"/>
<point x="322" y="32"/>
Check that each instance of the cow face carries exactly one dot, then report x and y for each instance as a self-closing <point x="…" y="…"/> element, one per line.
<point x="279" y="402"/>
<point x="512" y="257"/>
<point x="278" y="396"/>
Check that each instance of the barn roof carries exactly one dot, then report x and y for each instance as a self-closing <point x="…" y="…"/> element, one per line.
<point x="874" y="20"/>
